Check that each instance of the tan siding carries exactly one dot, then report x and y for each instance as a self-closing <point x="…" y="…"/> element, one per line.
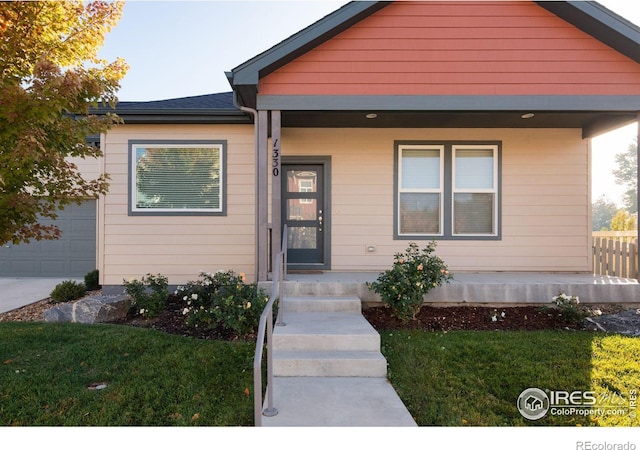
<point x="90" y="168"/>
<point x="178" y="246"/>
<point x="545" y="198"/>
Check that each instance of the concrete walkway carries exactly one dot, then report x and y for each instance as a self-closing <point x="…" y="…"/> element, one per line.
<point x="337" y="402"/>
<point x="328" y="368"/>
<point x="18" y="292"/>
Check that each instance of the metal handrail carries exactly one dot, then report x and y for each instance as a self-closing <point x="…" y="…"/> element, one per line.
<point x="265" y="327"/>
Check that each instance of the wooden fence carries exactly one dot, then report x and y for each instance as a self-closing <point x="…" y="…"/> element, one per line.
<point x="615" y="253"/>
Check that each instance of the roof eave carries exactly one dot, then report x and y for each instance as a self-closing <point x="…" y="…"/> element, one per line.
<point x="166" y="118"/>
<point x="176" y="111"/>
<point x="150" y="115"/>
<point x="249" y="73"/>
<point x="601" y="23"/>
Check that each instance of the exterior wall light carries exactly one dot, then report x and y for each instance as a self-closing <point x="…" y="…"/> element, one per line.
<point x="527" y="115"/>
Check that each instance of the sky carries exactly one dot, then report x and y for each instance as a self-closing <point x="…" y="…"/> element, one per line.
<point x="183" y="48"/>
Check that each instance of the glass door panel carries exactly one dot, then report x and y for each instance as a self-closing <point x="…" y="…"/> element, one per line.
<point x="302" y="200"/>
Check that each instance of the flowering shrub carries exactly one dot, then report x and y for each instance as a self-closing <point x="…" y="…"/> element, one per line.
<point x="222" y="300"/>
<point x="149" y="295"/>
<point x="569" y="308"/>
<point x="414" y="273"/>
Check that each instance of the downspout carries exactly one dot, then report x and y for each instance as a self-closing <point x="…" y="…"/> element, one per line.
<point x="254" y="113"/>
<point x="246" y="109"/>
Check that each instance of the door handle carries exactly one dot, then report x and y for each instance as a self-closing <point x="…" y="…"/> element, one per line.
<point x="320" y="221"/>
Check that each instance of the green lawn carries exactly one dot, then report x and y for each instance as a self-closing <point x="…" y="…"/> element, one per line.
<point x="155" y="379"/>
<point x="152" y="378"/>
<point x="474" y="378"/>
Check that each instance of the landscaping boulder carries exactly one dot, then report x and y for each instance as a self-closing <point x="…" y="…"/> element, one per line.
<point x="102" y="308"/>
<point x="625" y="322"/>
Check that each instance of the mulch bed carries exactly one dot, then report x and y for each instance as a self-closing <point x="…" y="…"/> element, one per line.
<point x="451" y="318"/>
<point x="172" y="321"/>
<point x="432" y="318"/>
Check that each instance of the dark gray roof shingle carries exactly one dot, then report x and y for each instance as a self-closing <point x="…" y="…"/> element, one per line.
<point x="209" y="108"/>
<point x="221" y="101"/>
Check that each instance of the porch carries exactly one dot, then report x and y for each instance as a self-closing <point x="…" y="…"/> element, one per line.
<point x="488" y="288"/>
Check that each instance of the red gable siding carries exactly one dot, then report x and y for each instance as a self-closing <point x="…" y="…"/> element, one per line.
<point x="458" y="48"/>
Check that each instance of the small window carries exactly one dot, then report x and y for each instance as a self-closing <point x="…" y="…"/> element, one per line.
<point x="420" y="193"/>
<point x="177" y="177"/>
<point x="475" y="190"/>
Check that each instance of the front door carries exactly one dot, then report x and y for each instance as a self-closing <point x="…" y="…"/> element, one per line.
<point x="305" y="214"/>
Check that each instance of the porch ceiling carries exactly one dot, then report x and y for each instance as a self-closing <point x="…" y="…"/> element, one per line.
<point x="591" y="123"/>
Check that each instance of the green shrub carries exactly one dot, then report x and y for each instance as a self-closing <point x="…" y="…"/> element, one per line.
<point x="222" y="300"/>
<point x="150" y="294"/>
<point x="414" y="273"/>
<point x="91" y="280"/>
<point x="67" y="291"/>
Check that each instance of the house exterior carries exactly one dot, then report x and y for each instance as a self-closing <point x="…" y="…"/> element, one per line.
<point x="383" y="123"/>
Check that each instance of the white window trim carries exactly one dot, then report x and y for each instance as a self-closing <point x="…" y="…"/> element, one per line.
<point x="138" y="144"/>
<point x="439" y="191"/>
<point x="493" y="190"/>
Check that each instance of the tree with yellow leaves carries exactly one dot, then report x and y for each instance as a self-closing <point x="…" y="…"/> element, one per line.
<point x="51" y="78"/>
<point x="623" y="221"/>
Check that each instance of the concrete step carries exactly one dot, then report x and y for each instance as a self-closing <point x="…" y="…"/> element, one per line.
<point x="328" y="369"/>
<point x="322" y="304"/>
<point x="300" y="363"/>
<point x="326" y="331"/>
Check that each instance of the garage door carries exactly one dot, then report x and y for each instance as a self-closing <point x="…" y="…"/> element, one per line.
<point x="73" y="255"/>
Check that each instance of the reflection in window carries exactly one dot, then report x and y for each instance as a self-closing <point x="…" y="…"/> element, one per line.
<point x="179" y="177"/>
<point x="302" y="238"/>
<point x="302" y="181"/>
<point x="305" y="185"/>
<point x="301" y="209"/>
<point x="419" y="213"/>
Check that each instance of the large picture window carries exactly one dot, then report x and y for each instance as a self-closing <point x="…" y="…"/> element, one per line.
<point x="447" y="190"/>
<point x="172" y="177"/>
